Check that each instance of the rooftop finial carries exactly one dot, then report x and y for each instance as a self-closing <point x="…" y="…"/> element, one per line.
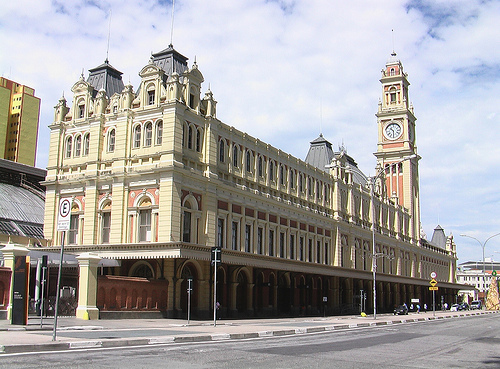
<point x="393" y="52"/>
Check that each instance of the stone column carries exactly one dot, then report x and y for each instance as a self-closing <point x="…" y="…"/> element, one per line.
<point x="10" y="251"/>
<point x="87" y="287"/>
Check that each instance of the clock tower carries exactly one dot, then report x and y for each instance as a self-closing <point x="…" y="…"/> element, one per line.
<point x="396" y="142"/>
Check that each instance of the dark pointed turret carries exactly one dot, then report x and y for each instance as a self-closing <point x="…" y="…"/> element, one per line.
<point x="106" y="77"/>
<point x="170" y="61"/>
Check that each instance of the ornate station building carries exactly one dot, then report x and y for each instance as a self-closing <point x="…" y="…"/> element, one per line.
<point x="156" y="180"/>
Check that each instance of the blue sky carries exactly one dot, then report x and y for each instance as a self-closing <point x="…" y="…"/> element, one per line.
<point x="283" y="70"/>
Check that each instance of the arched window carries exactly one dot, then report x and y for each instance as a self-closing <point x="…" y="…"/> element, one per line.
<point x="292" y="179"/>
<point x="86" y="144"/>
<point x="248" y="161"/>
<point x="282" y="175"/>
<point x="235" y="156"/>
<point x="69" y="146"/>
<point x="183" y="135"/>
<point x="392" y="71"/>
<point x="221" y="151"/>
<point x="301" y="183"/>
<point x="137" y="136"/>
<point x="74" y="223"/>
<point x="198" y="140"/>
<point x="148" y="134"/>
<point x="309" y="186"/>
<point x="190" y="137"/>
<point x="105" y="222"/>
<point x="111" y="141"/>
<point x="271" y="170"/>
<point x="259" y="167"/>
<point x="159" y="132"/>
<point x="392" y="95"/>
<point x="186" y="224"/>
<point x="78" y="145"/>
<point x="144" y="225"/>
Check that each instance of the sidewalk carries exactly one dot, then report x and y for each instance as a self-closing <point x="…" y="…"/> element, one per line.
<point x="75" y="333"/>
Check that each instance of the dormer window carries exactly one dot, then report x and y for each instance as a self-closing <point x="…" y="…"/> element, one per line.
<point x="151" y="97"/>
<point x="191" y="101"/>
<point x="81" y="111"/>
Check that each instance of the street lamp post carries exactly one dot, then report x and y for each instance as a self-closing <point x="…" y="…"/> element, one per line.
<point x="483" y="245"/>
<point x="375" y="256"/>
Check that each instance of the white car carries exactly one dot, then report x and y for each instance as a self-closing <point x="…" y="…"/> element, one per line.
<point x="455" y="307"/>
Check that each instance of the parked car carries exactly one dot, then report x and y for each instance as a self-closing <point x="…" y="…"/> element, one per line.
<point x="476" y="305"/>
<point x="401" y="310"/>
<point x="455" y="307"/>
<point x="464" y="306"/>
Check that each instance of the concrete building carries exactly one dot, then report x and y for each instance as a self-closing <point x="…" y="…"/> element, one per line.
<point x="19" y="113"/>
<point x="477" y="274"/>
<point x="155" y="181"/>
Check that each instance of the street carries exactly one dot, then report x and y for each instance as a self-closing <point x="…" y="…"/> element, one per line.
<point x="469" y="342"/>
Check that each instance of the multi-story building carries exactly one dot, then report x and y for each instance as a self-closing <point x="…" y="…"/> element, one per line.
<point x="155" y="181"/>
<point x="19" y="112"/>
<point x="477" y="274"/>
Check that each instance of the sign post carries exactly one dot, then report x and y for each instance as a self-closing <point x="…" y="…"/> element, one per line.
<point x="433" y="288"/>
<point x="63" y="224"/>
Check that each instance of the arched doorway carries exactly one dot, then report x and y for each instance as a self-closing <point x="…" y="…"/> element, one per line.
<point x="241" y="293"/>
<point x="258" y="291"/>
<point x="189" y="272"/>
<point x="284" y="302"/>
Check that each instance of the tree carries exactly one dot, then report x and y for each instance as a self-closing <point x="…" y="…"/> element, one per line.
<point x="492" y="301"/>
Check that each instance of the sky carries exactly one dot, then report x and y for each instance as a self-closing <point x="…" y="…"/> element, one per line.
<point x="285" y="70"/>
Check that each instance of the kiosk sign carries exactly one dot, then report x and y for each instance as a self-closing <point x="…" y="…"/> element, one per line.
<point x="64" y="213"/>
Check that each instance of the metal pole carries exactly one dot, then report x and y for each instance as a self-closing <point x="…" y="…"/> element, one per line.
<point x="189" y="298"/>
<point x="56" y="308"/>
<point x="44" y="269"/>
<point x="215" y="289"/>
<point x="374" y="260"/>
<point x="434" y="303"/>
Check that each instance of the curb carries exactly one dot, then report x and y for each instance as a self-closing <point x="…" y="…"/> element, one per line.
<point x="92" y="344"/>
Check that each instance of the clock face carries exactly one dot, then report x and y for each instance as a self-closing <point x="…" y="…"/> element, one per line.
<point x="393" y="131"/>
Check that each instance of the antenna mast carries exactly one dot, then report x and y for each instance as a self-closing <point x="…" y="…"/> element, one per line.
<point x="109" y="36"/>
<point x="172" y="29"/>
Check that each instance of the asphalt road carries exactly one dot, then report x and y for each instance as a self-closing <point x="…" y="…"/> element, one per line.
<point x="471" y="342"/>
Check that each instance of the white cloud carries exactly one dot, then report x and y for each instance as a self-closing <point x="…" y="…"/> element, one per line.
<point x="284" y="70"/>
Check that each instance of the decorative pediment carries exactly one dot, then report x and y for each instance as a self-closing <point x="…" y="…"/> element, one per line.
<point x="81" y="86"/>
<point x="150" y="70"/>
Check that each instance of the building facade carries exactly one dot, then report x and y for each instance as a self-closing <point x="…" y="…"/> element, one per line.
<point x="19" y="113"/>
<point x="156" y="180"/>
